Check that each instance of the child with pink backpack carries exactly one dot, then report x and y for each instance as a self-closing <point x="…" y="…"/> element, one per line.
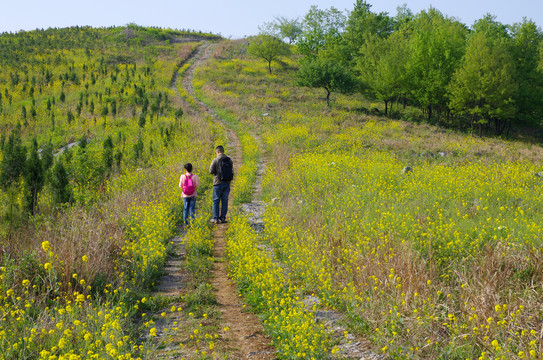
<point x="189" y="182"/>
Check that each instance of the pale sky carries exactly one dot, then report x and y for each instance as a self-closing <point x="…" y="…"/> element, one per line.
<point x="232" y="18"/>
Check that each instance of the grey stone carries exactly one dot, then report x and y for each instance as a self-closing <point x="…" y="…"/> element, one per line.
<point x="326" y="315"/>
<point x="311" y="300"/>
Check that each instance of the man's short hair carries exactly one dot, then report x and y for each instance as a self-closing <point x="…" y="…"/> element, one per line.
<point x="220" y="149"/>
<point x="188" y="167"/>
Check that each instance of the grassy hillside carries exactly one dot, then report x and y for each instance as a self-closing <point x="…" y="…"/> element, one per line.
<point x="84" y="224"/>
<point x="428" y="241"/>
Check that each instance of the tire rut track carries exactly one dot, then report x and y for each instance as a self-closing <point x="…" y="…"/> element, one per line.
<point x="246" y="335"/>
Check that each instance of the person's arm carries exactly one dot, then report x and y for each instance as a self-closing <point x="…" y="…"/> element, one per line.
<point x="196" y="182"/>
<point x="181" y="181"/>
<point x="213" y="167"/>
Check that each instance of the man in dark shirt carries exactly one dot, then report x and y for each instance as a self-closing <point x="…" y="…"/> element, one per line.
<point x="221" y="188"/>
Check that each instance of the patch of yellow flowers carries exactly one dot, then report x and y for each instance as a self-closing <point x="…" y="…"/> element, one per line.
<point x="271" y="292"/>
<point x="355" y="221"/>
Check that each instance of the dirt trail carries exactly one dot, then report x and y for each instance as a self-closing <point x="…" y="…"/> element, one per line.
<point x="246" y="339"/>
<point x="246" y="334"/>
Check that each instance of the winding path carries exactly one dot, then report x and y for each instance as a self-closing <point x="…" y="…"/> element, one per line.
<point x="246" y="338"/>
<point x="246" y="331"/>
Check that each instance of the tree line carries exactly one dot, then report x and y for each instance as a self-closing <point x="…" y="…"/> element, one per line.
<point x="486" y="77"/>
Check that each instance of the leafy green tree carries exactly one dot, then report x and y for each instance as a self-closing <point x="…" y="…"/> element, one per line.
<point x="525" y="49"/>
<point x="179" y="113"/>
<point x="13" y="160"/>
<point x="142" y="120"/>
<point x="114" y="107"/>
<point x="288" y="28"/>
<point x="437" y="43"/>
<point x="321" y="28"/>
<point x="155" y="109"/>
<point x="118" y="158"/>
<point x="166" y="104"/>
<point x="87" y="171"/>
<point x="145" y="106"/>
<point x="105" y="111"/>
<point x="327" y="74"/>
<point x="69" y="117"/>
<point x="137" y="150"/>
<point x="361" y="22"/>
<point x="492" y="28"/>
<point x="403" y="16"/>
<point x="382" y="66"/>
<point x="107" y="154"/>
<point x="483" y="87"/>
<point x="268" y="47"/>
<point x="47" y="156"/>
<point x="82" y="143"/>
<point x="34" y="178"/>
<point x="269" y="28"/>
<point x="60" y="184"/>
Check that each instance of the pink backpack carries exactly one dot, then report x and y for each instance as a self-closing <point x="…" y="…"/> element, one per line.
<point x="188" y="185"/>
